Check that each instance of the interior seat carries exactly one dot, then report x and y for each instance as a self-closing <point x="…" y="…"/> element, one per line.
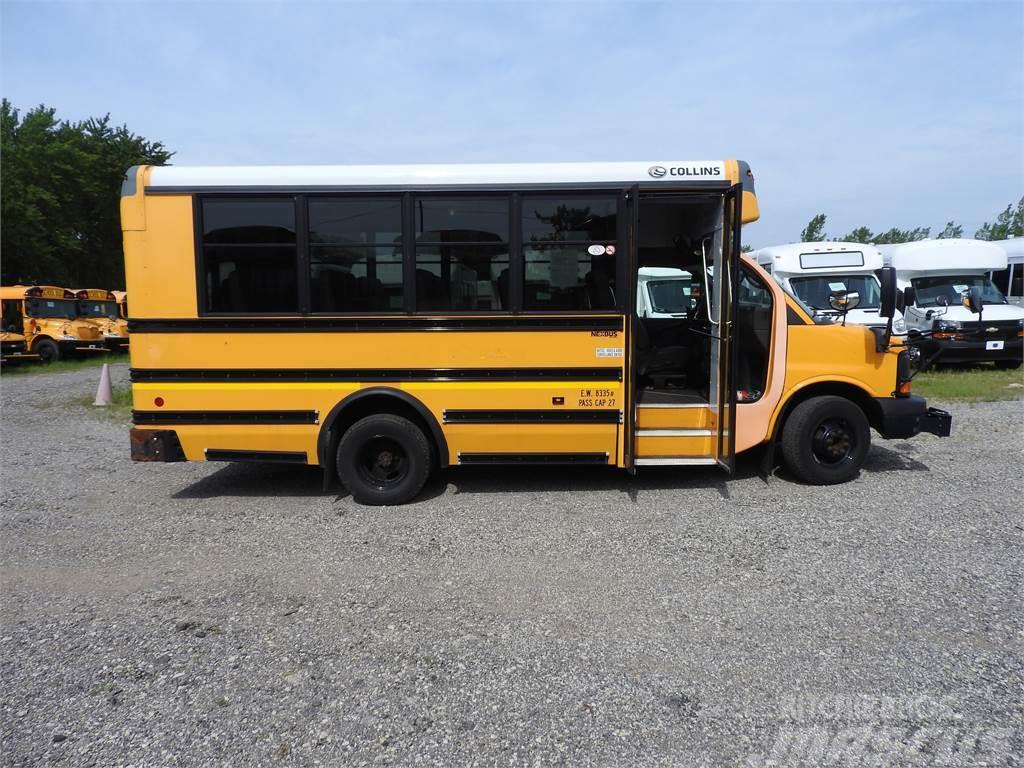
<point x="659" y="364"/>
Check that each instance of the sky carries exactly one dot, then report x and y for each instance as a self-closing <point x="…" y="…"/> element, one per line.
<point x="879" y="114"/>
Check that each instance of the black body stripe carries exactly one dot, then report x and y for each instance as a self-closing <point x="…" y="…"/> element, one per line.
<point x="533" y="458"/>
<point x="264" y="375"/>
<point x="225" y="417"/>
<point x="271" y="457"/>
<point x="370" y="323"/>
<point x="587" y="187"/>
<point x="592" y="416"/>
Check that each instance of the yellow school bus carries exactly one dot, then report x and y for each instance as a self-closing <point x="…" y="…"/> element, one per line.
<point x="12" y="345"/>
<point x="47" y="316"/>
<point x="102" y="309"/>
<point x="381" y="321"/>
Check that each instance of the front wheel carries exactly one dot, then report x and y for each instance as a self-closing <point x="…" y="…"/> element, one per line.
<point x="47" y="350"/>
<point x="825" y="440"/>
<point x="383" y="459"/>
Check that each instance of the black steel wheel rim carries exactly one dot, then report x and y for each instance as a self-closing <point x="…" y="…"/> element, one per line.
<point x="833" y="442"/>
<point x="382" y="462"/>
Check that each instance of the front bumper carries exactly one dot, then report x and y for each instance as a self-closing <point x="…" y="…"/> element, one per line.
<point x="958" y="351"/>
<point x="12" y="348"/>
<point x="116" y="343"/>
<point x="81" y="345"/>
<point x="902" y="417"/>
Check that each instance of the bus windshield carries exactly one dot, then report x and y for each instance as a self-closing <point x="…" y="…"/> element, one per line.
<point x="66" y="308"/>
<point x="953" y="287"/>
<point x="670" y="297"/>
<point x="814" y="291"/>
<point x="92" y="308"/>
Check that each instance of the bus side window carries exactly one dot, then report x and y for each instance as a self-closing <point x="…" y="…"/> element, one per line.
<point x="462" y="253"/>
<point x="12" y="321"/>
<point x="753" y="335"/>
<point x="569" y="252"/>
<point x="355" y="254"/>
<point x="249" y="255"/>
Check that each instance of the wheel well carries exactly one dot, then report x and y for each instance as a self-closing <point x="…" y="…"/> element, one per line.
<point x="41" y="338"/>
<point x="367" y="402"/>
<point x="872" y="410"/>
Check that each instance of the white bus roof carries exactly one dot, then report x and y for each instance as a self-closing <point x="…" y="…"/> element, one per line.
<point x="1014" y="248"/>
<point x="820" y="257"/>
<point x="946" y="255"/>
<point x="688" y="172"/>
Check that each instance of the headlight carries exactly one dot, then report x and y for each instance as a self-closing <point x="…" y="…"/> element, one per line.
<point x="946" y="325"/>
<point x="898" y="326"/>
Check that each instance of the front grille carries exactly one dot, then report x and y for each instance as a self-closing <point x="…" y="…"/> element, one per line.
<point x="994" y="329"/>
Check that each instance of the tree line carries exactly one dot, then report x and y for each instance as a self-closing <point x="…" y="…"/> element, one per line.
<point x="1007" y="223"/>
<point x="60" y="194"/>
<point x="60" y="201"/>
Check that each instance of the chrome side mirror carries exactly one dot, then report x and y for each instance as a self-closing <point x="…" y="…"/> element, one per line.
<point x="844" y="301"/>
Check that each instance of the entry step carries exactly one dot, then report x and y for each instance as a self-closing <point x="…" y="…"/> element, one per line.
<point x="678" y="417"/>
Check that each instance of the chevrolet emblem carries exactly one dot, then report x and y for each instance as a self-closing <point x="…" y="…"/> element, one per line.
<point x="991" y="329"/>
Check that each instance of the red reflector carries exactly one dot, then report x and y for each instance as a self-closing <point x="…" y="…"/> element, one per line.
<point x="158" y="402"/>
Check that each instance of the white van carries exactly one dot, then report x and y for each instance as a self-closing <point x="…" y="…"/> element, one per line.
<point x="665" y="292"/>
<point x="1011" y="280"/>
<point x="941" y="274"/>
<point x="816" y="272"/>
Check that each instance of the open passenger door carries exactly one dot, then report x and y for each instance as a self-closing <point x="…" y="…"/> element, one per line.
<point x="724" y="287"/>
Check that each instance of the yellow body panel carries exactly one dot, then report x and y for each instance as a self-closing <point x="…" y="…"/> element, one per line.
<point x="674" y="418"/>
<point x="675" y="445"/>
<point x="159" y="261"/>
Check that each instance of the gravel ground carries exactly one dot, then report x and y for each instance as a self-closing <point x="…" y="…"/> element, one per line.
<point x="230" y="614"/>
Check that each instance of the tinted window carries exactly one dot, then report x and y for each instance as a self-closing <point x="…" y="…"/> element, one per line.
<point x="12" y="316"/>
<point x="753" y="336"/>
<point x="815" y="291"/>
<point x="355" y="255"/>
<point x="36" y="307"/>
<point x="353" y="220"/>
<point x="249" y="255"/>
<point x="463" y="219"/>
<point x="462" y="254"/>
<point x="569" y="252"/>
<point x="574" y="219"/>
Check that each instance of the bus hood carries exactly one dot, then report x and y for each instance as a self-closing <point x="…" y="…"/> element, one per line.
<point x="989" y="312"/>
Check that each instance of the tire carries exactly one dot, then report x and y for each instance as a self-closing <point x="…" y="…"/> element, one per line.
<point x="384" y="460"/>
<point x="47" y="350"/>
<point x="1008" y="365"/>
<point x="825" y="440"/>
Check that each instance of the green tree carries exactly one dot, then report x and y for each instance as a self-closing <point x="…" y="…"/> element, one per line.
<point x="859" y="235"/>
<point x="896" y="235"/>
<point x="1008" y="223"/>
<point x="815" y="230"/>
<point x="952" y="229"/>
<point x="60" y="196"/>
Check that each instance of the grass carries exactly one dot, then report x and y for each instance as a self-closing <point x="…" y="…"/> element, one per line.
<point x="978" y="384"/>
<point x="120" y="408"/>
<point x="29" y="367"/>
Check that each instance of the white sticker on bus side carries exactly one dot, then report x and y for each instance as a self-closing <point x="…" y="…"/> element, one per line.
<point x="610" y="352"/>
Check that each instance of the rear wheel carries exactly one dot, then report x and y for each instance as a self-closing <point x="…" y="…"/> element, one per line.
<point x="1008" y="365"/>
<point x="383" y="459"/>
<point x="47" y="350"/>
<point x="825" y="440"/>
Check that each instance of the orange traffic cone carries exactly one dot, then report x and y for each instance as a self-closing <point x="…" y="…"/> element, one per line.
<point x="104" y="393"/>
